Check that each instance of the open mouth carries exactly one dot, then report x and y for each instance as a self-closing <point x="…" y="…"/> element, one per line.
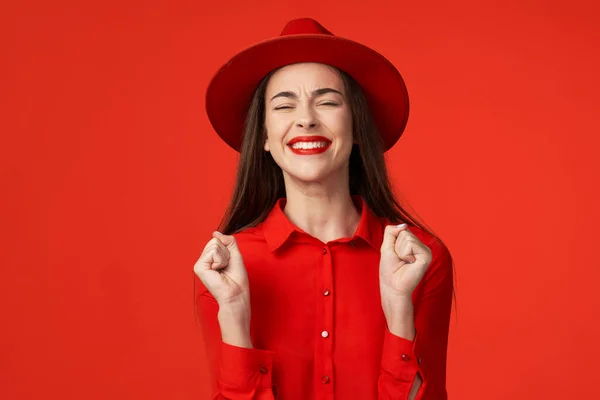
<point x="306" y="145"/>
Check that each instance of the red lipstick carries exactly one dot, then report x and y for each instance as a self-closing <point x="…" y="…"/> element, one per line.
<point x="319" y="145"/>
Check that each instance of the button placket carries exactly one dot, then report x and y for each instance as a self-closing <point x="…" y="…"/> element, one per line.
<point x="326" y="303"/>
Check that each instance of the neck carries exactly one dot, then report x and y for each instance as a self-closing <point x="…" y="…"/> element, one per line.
<point x="324" y="211"/>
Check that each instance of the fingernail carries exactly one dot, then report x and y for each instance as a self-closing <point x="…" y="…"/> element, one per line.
<point x="400" y="226"/>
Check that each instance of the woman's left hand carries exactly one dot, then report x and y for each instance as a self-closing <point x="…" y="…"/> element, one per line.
<point x="404" y="259"/>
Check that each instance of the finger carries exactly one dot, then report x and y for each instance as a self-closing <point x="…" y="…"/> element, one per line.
<point x="405" y="248"/>
<point x="231" y="244"/>
<point x="215" y="254"/>
<point x="211" y="243"/>
<point x="410" y="249"/>
<point x="222" y="248"/>
<point x="220" y="259"/>
<point x="205" y="260"/>
<point x="220" y="255"/>
<point x="390" y="235"/>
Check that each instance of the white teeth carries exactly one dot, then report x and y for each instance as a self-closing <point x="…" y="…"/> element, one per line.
<point x="308" y="145"/>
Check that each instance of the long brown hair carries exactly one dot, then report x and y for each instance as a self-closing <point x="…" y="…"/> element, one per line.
<point x="259" y="182"/>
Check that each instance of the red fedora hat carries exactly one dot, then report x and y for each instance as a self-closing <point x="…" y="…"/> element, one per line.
<point x="231" y="89"/>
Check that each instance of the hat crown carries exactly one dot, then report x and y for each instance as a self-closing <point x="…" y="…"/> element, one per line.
<point x="305" y="26"/>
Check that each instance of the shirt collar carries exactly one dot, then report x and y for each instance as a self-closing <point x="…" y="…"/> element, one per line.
<point x="277" y="228"/>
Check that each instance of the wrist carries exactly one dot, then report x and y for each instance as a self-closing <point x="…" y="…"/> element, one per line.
<point x="240" y="305"/>
<point x="234" y="321"/>
<point x="399" y="315"/>
<point x="397" y="304"/>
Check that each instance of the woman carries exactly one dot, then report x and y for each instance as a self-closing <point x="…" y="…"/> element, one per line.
<point x="350" y="297"/>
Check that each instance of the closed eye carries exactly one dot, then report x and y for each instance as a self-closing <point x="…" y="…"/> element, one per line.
<point x="322" y="104"/>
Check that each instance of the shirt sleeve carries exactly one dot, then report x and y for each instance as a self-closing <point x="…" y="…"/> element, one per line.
<point x="426" y="354"/>
<point x="236" y="372"/>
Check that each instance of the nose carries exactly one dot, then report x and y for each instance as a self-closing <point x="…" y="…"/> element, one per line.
<point x="306" y="118"/>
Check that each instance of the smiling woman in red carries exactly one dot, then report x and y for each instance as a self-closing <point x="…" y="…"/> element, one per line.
<point x="321" y="285"/>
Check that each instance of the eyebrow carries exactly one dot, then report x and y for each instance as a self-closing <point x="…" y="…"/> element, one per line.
<point x="315" y="93"/>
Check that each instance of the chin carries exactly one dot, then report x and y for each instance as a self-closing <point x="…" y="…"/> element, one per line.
<point x="310" y="175"/>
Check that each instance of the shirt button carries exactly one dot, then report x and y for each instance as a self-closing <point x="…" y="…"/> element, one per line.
<point x="263" y="370"/>
<point x="352" y="243"/>
<point x="324" y="250"/>
<point x="325" y="379"/>
<point x="419" y="360"/>
<point x="325" y="334"/>
<point x="405" y="357"/>
<point x="325" y="292"/>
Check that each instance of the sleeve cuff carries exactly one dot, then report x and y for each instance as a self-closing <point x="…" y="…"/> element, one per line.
<point x="401" y="357"/>
<point x="243" y="368"/>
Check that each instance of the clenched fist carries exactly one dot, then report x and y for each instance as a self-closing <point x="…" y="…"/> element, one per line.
<point x="404" y="259"/>
<point x="221" y="269"/>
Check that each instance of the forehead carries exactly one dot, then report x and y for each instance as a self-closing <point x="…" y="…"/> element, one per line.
<point x="305" y="76"/>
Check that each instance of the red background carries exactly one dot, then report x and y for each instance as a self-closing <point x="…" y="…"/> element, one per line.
<point x="112" y="180"/>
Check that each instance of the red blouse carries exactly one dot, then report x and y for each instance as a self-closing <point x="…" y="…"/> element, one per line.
<point x="317" y="324"/>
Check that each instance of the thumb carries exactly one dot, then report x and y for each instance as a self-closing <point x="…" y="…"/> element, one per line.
<point x="231" y="244"/>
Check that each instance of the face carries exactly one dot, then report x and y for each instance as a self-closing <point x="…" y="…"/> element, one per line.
<point x="308" y="122"/>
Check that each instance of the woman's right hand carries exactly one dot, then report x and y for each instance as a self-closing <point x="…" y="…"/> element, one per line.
<point x="221" y="269"/>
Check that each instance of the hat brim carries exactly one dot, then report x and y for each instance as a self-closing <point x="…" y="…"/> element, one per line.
<point x="230" y="91"/>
